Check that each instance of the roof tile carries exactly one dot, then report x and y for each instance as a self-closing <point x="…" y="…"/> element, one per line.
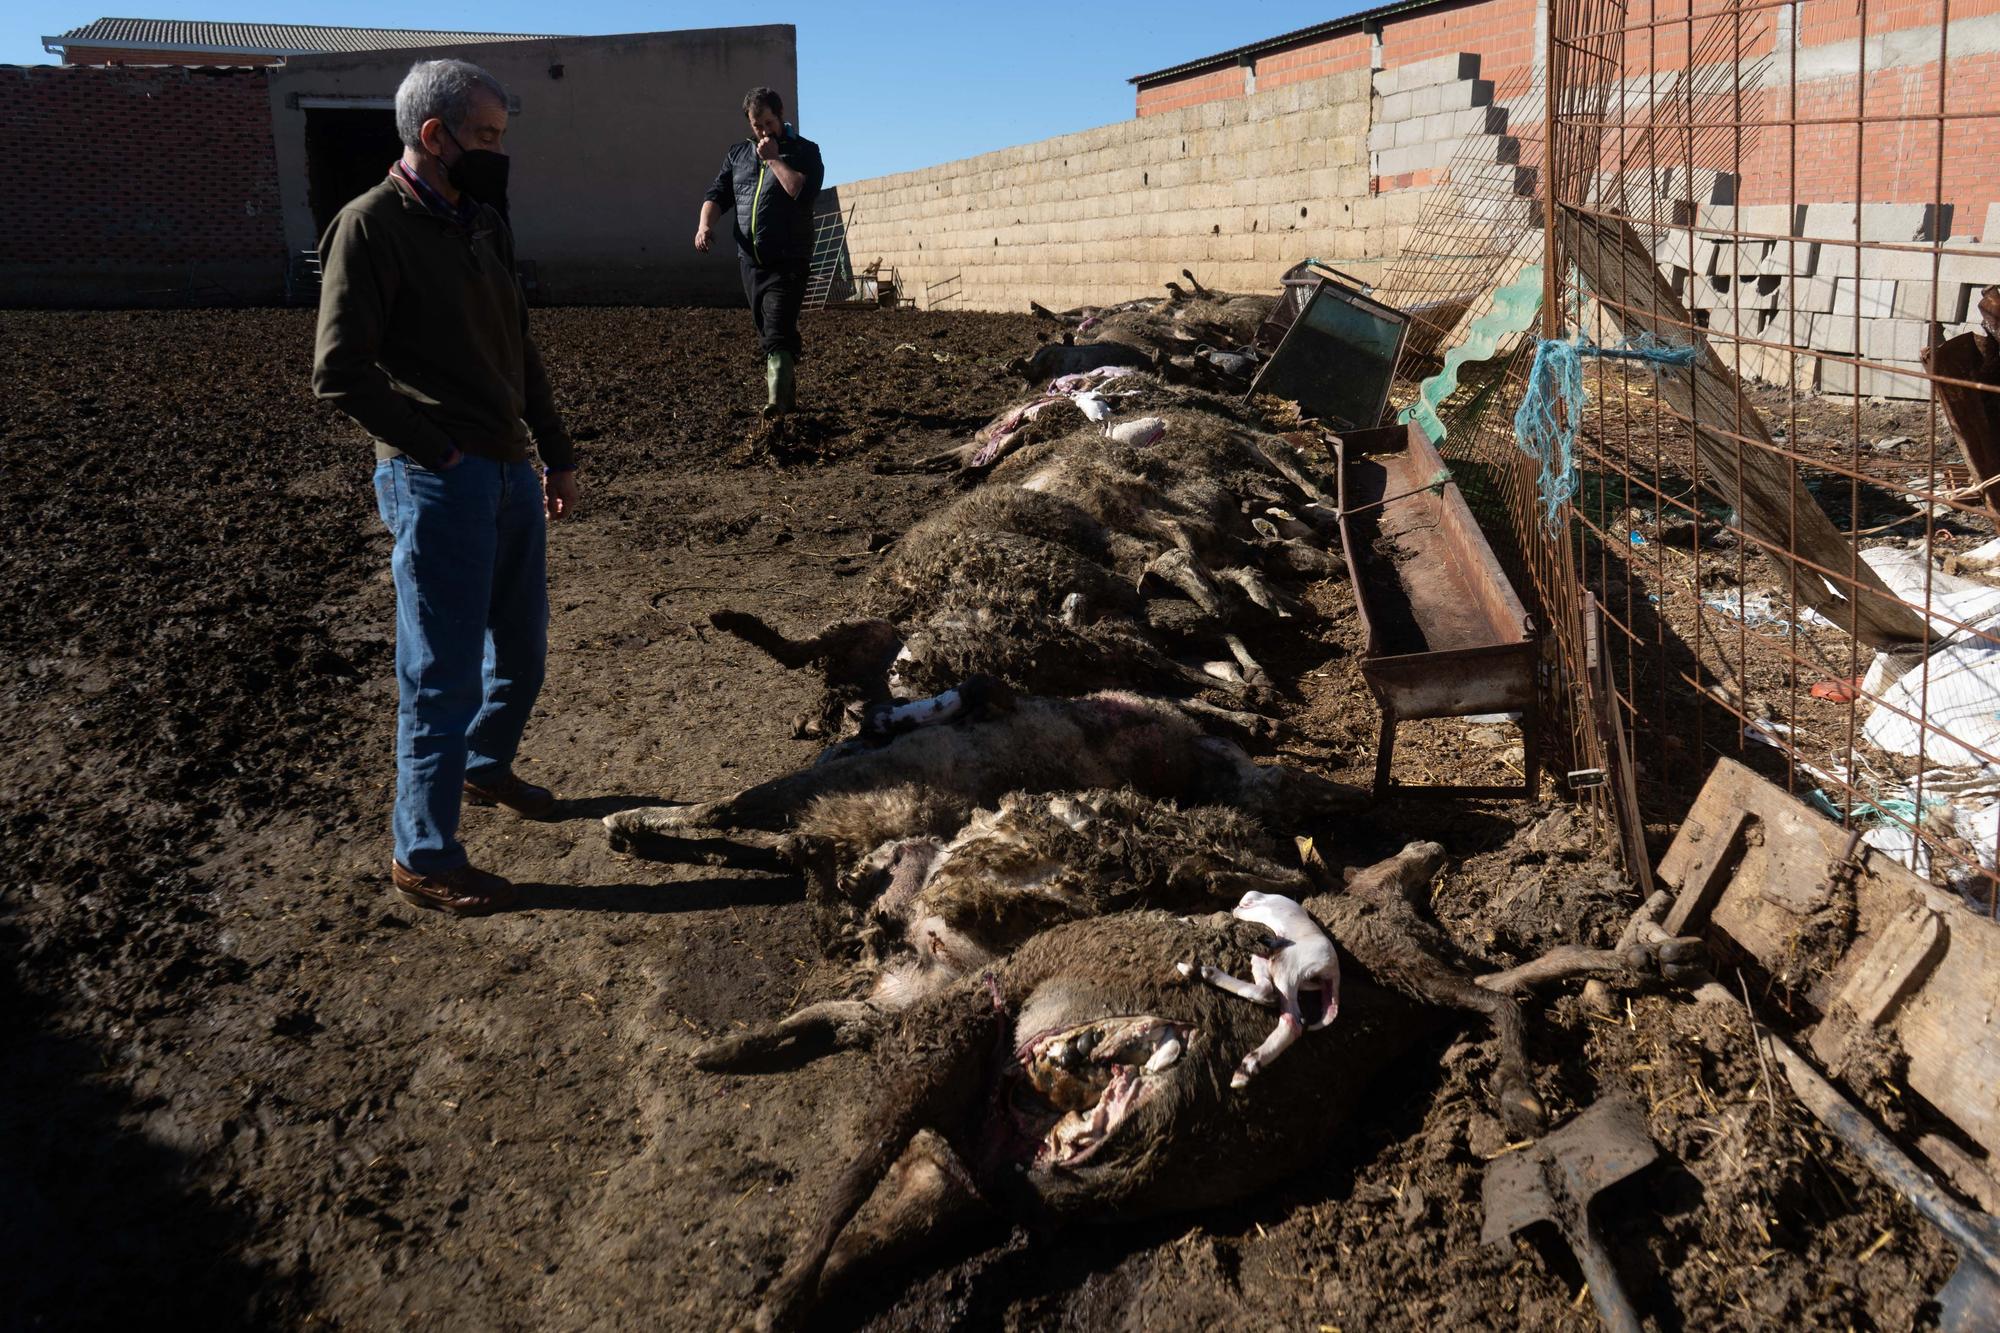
<point x="288" y="39"/>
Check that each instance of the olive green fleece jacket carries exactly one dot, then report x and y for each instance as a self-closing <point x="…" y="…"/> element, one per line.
<point x="423" y="335"/>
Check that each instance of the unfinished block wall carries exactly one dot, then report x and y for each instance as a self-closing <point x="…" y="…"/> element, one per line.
<point x="1427" y="114"/>
<point x="1803" y="289"/>
<point x="1235" y="190"/>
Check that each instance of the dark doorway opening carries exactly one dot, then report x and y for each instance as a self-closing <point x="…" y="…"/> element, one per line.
<point x="347" y="152"/>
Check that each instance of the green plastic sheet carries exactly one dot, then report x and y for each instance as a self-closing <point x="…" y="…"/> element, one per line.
<point x="1514" y="309"/>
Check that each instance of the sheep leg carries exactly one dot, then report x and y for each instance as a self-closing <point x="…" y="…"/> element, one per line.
<point x="927" y="1194"/>
<point x="1259" y="590"/>
<point x="1413" y="969"/>
<point x="1274" y="793"/>
<point x="1260" y="991"/>
<point x="1676" y="959"/>
<point x="1302" y="560"/>
<point x="767" y="807"/>
<point x="1290" y="1026"/>
<point x="939" y="462"/>
<point x="1642" y="949"/>
<point x="1253" y="670"/>
<point x="1183" y="572"/>
<point x="1565" y="963"/>
<point x="1168" y="670"/>
<point x="767" y="852"/>
<point x="1249" y="726"/>
<point x="1275" y="457"/>
<point x="1282" y="520"/>
<point x="1376" y="922"/>
<point x="667" y="821"/>
<point x="819" y="1029"/>
<point x="1323" y="517"/>
<point x="1231" y="885"/>
<point x="1276" y="525"/>
<point x="928" y="1083"/>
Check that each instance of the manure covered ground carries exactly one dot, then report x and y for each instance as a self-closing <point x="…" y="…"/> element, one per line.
<point x="245" y="1085"/>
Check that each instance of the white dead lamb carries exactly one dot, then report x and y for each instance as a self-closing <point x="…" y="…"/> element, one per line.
<point x="1302" y="971"/>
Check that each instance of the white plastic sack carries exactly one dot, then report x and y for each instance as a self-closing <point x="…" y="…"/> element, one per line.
<point x="1961" y="706"/>
<point x="1964" y="600"/>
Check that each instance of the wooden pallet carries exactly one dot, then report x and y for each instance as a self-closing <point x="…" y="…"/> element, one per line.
<point x="1873" y="949"/>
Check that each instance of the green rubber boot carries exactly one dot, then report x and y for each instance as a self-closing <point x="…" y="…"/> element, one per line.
<point x="787" y="386"/>
<point x="772" y="373"/>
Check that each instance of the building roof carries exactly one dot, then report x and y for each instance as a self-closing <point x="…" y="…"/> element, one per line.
<point x="1236" y="55"/>
<point x="198" y="37"/>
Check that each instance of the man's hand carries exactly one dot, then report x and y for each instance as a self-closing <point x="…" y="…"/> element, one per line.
<point x="559" y="494"/>
<point x="789" y="180"/>
<point x="702" y="238"/>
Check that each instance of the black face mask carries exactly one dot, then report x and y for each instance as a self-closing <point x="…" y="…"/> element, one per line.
<point x="480" y="173"/>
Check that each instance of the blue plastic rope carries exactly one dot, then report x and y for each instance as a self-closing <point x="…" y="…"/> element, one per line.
<point x="1551" y="411"/>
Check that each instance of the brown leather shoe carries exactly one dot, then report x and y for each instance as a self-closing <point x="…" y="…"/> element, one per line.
<point x="466" y="891"/>
<point x="523" y="798"/>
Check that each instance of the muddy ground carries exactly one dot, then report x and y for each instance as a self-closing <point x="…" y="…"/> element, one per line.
<point x="246" y="1086"/>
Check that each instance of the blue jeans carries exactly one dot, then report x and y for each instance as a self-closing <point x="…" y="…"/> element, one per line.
<point x="472" y="620"/>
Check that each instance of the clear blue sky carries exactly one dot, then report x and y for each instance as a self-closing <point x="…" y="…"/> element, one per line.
<point x="884" y="85"/>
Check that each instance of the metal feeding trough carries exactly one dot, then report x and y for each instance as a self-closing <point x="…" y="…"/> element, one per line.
<point x="1447" y="636"/>
<point x="1337" y="353"/>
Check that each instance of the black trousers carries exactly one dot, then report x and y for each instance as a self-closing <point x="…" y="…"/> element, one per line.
<point x="775" y="296"/>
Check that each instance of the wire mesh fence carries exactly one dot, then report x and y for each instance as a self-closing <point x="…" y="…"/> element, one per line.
<point x="1764" y="233"/>
<point x="830" y="270"/>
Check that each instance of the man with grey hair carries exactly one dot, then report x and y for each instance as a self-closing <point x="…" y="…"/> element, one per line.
<point x="423" y="340"/>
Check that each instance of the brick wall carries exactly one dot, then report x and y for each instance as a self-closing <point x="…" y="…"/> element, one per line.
<point x="1902" y="154"/>
<point x="1236" y="190"/>
<point x="1500" y="32"/>
<point x="1902" y="157"/>
<point x="1213" y="86"/>
<point x="123" y="179"/>
<point x="1313" y="60"/>
<point x="118" y="55"/>
<point x="1893" y="159"/>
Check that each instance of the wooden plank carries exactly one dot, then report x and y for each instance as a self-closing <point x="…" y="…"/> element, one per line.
<point x="1750" y="863"/>
<point x="1910" y="948"/>
<point x="1974" y="416"/>
<point x="1617" y="760"/>
<point x="1951" y="1029"/>
<point x="1707" y="397"/>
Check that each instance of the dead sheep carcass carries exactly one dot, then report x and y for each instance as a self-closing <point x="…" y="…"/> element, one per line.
<point x="926" y="895"/>
<point x="1087" y="1077"/>
<point x="998" y="743"/>
<point x="1067" y="572"/>
<point x="1191" y="334"/>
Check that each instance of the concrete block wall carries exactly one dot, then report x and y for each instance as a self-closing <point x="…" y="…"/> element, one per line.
<point x="1801" y="280"/>
<point x="1424" y="113"/>
<point x="1235" y="190"/>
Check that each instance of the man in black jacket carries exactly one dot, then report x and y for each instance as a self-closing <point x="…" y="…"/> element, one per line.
<point x="773" y="178"/>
